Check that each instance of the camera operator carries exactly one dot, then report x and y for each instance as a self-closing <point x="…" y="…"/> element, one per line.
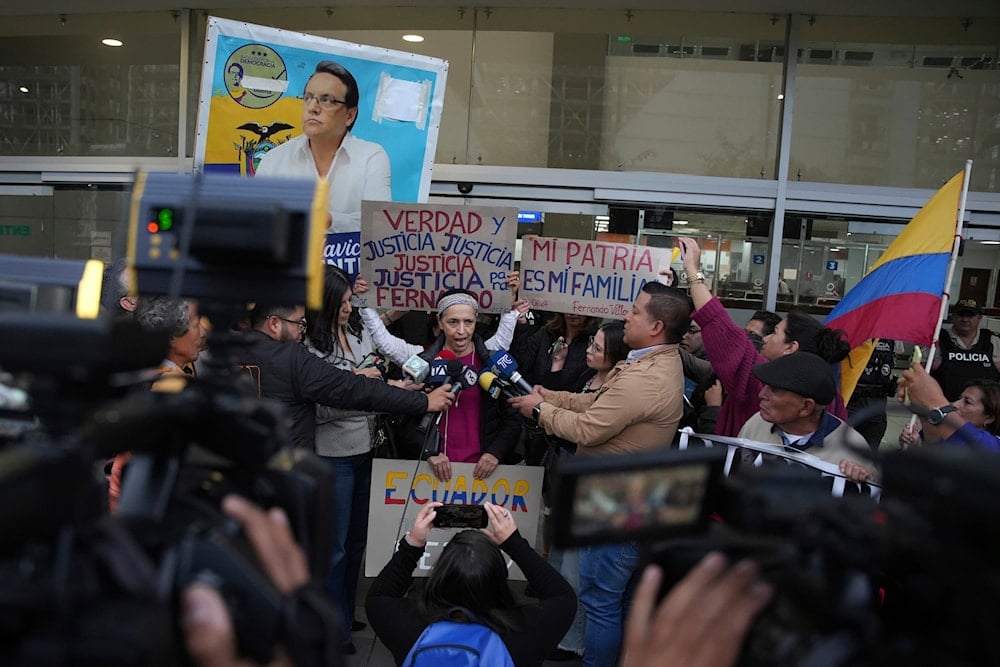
<point x="205" y="621"/>
<point x="701" y="622"/>
<point x="284" y="370"/>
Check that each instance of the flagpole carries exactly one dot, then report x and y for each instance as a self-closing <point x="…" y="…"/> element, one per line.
<point x="946" y="296"/>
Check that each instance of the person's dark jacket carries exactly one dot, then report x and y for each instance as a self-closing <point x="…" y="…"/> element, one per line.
<point x="290" y="374"/>
<point x="397" y="623"/>
<point x="499" y="423"/>
<point x="535" y="361"/>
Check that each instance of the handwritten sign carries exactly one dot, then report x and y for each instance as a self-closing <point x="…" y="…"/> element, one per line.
<point x="397" y="495"/>
<point x="410" y="253"/>
<point x="587" y="277"/>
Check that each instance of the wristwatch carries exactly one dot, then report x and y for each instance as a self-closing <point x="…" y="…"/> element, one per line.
<point x="536" y="412"/>
<point x="936" y="415"/>
<point x="698" y="277"/>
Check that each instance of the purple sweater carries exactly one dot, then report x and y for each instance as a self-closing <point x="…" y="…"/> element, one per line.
<point x="733" y="355"/>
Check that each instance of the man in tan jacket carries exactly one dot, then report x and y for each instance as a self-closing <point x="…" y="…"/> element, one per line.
<point x="637" y="408"/>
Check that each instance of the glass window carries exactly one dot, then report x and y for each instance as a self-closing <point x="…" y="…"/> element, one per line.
<point x="553" y="88"/>
<point x="82" y="98"/>
<point x="896" y="115"/>
<point x="74" y="222"/>
<point x="709" y="116"/>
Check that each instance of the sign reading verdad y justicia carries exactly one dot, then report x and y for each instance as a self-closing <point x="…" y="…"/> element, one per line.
<point x="410" y="253"/>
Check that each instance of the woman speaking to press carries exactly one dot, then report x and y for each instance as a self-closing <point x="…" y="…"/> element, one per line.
<point x="472" y="573"/>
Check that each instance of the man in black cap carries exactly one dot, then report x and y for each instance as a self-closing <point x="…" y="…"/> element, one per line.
<point x="797" y="388"/>
<point x="965" y="352"/>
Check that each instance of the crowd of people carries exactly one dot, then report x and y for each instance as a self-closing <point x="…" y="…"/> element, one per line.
<point x="607" y="388"/>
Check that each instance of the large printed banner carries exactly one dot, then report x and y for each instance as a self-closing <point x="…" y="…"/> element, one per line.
<point x="397" y="495"/>
<point x="412" y="253"/>
<point x="594" y="278"/>
<point x="251" y="102"/>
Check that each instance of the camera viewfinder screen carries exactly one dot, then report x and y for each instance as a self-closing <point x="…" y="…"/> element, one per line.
<point x="639" y="500"/>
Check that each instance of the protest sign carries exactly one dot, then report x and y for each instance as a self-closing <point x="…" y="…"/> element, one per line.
<point x="251" y="102"/>
<point x="397" y="495"/>
<point x="594" y="278"/>
<point x="410" y="253"/>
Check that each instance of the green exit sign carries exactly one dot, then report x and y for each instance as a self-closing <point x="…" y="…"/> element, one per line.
<point x="624" y="38"/>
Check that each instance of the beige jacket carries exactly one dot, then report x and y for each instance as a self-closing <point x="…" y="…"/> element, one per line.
<point x="637" y="408"/>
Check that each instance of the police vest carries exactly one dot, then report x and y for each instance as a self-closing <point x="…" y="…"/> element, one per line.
<point x="960" y="366"/>
<point x="878" y="372"/>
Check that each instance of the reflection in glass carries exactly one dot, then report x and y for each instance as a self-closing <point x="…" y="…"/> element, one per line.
<point x="896" y="115"/>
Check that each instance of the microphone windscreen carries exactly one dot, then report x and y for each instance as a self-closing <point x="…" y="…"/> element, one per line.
<point x="486" y="379"/>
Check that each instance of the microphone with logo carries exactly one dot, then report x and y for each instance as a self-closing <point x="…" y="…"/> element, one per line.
<point x="505" y="368"/>
<point x="416" y="368"/>
<point x="450" y="370"/>
<point x="442" y="368"/>
<point x="496" y="387"/>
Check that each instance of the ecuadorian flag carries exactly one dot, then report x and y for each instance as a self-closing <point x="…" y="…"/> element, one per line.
<point x="900" y="296"/>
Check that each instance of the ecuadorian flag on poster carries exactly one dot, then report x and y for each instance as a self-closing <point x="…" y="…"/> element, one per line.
<point x="900" y="296"/>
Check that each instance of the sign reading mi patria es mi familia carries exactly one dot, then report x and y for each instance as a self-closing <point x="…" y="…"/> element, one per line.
<point x="594" y="278"/>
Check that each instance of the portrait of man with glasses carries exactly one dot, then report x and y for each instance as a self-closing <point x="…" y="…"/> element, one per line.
<point x="357" y="169"/>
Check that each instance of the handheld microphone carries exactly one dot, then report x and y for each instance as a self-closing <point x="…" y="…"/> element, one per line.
<point x="465" y="378"/>
<point x="374" y="360"/>
<point x="452" y="369"/>
<point x="416" y="368"/>
<point x="505" y="367"/>
<point x="443" y="367"/>
<point x="494" y="386"/>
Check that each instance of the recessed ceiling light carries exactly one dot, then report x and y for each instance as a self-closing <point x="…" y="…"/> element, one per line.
<point x="680" y="222"/>
<point x="781" y="96"/>
<point x="111" y="41"/>
<point x="23" y="89"/>
<point x="990" y="242"/>
<point x="413" y="38"/>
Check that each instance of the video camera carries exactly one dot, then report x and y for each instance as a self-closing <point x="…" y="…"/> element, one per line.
<point x="908" y="580"/>
<point x="80" y="587"/>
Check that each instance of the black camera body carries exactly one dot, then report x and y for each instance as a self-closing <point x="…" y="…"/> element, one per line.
<point x="905" y="580"/>
<point x="79" y="587"/>
<point x="61" y="557"/>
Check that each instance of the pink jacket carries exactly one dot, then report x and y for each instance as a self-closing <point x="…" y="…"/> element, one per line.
<point x="732" y="355"/>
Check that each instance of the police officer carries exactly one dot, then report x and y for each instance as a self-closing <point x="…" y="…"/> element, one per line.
<point x="966" y="352"/>
<point x="866" y="409"/>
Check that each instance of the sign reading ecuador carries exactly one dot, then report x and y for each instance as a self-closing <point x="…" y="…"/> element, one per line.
<point x="410" y="253"/>
<point x="587" y="277"/>
<point x="397" y="495"/>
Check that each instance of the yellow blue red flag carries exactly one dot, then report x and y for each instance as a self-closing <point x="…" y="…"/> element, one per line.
<point x="900" y="296"/>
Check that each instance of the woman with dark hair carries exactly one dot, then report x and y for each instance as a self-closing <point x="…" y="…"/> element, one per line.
<point x="476" y="429"/>
<point x="344" y="438"/>
<point x="979" y="404"/>
<point x="733" y="354"/>
<point x="604" y="350"/>
<point x="555" y="356"/>
<point x="471" y="573"/>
